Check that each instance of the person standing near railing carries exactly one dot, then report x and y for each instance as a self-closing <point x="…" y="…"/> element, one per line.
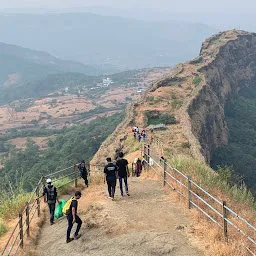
<point x="123" y="173"/>
<point x="50" y="197"/>
<point x="83" y="172"/>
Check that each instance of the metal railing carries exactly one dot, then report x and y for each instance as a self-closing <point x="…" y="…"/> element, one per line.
<point x="217" y="211"/>
<point x="32" y="208"/>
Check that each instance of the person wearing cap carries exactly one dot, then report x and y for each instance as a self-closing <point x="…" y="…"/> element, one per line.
<point x="74" y="218"/>
<point x="50" y="197"/>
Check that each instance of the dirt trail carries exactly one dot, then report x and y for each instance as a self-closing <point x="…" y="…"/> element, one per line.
<point x="147" y="223"/>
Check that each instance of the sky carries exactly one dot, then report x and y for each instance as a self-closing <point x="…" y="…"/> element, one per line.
<point x="216" y="6"/>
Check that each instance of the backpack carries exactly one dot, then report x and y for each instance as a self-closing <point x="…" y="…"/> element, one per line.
<point x="66" y="208"/>
<point x="51" y="198"/>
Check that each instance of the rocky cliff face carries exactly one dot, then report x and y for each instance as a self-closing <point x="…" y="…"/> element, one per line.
<point x="233" y="66"/>
<point x="196" y="92"/>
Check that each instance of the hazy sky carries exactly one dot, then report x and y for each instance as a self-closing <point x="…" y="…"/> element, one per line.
<point x="220" y="6"/>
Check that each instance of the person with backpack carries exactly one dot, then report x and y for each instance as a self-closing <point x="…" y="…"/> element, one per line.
<point x="72" y="216"/>
<point x="123" y="173"/>
<point x="111" y="174"/>
<point x="50" y="197"/>
<point x="83" y="172"/>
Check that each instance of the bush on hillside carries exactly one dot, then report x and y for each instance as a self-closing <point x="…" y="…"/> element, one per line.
<point x="156" y="117"/>
<point x="197" y="80"/>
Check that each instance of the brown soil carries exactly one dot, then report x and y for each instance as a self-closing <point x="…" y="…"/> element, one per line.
<point x="147" y="223"/>
<point x="21" y="143"/>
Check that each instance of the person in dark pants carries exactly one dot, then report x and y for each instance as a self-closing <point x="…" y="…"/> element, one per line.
<point x="83" y="172"/>
<point x="50" y="197"/>
<point x="74" y="218"/>
<point x="110" y="171"/>
<point x="123" y="173"/>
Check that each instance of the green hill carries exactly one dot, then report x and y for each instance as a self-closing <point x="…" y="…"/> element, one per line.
<point x="19" y="64"/>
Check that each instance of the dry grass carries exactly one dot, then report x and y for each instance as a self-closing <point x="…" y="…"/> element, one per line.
<point x="240" y="201"/>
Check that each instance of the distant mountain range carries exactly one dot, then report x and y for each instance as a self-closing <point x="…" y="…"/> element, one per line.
<point x="112" y="42"/>
<point x="18" y="64"/>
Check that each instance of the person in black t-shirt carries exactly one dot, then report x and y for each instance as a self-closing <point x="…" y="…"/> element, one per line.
<point x="110" y="171"/>
<point x="123" y="173"/>
<point x="74" y="218"/>
<point x="83" y="172"/>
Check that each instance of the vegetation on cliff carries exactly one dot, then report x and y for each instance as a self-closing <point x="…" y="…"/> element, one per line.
<point x="240" y="153"/>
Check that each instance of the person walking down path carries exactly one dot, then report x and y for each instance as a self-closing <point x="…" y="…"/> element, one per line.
<point x="50" y="197"/>
<point x="138" y="168"/>
<point x="123" y="173"/>
<point x="83" y="172"/>
<point x="111" y="173"/>
<point x="74" y="218"/>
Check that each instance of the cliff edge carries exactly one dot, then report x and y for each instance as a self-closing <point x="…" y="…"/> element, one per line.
<point x="195" y="94"/>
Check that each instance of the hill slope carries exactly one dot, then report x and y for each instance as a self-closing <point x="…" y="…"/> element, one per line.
<point x="196" y="94"/>
<point x="101" y="40"/>
<point x="21" y="64"/>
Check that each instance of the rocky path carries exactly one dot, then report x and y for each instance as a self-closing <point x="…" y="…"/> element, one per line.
<point x="147" y="223"/>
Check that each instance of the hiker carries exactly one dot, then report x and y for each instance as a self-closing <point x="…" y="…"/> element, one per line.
<point x="50" y="197"/>
<point x="117" y="154"/>
<point x="139" y="137"/>
<point x="135" y="135"/>
<point x="144" y="135"/>
<point x="138" y="167"/>
<point x="83" y="172"/>
<point x="123" y="173"/>
<point x="111" y="174"/>
<point x="74" y="218"/>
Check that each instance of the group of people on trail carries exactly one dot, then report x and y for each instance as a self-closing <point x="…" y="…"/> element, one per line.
<point x="140" y="136"/>
<point x="118" y="170"/>
<point x="51" y="197"/>
<point x="112" y="171"/>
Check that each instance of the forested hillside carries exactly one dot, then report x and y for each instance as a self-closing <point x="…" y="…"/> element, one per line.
<point x="24" y="168"/>
<point x="240" y="153"/>
<point x="20" y="64"/>
<point x="42" y="87"/>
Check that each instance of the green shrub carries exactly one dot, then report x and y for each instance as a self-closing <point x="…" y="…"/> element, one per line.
<point x="185" y="145"/>
<point x="156" y="117"/>
<point x="197" y="80"/>
<point x="150" y="99"/>
<point x="3" y="228"/>
<point x="197" y="60"/>
<point x="177" y="103"/>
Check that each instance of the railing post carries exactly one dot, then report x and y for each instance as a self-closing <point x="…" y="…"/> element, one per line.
<point x="38" y="200"/>
<point x="75" y="172"/>
<point x="43" y="181"/>
<point x="148" y="154"/>
<point x="145" y="152"/>
<point x="21" y="230"/>
<point x="189" y="193"/>
<point x="27" y="219"/>
<point x="89" y="169"/>
<point x="165" y="167"/>
<point x="225" y="224"/>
